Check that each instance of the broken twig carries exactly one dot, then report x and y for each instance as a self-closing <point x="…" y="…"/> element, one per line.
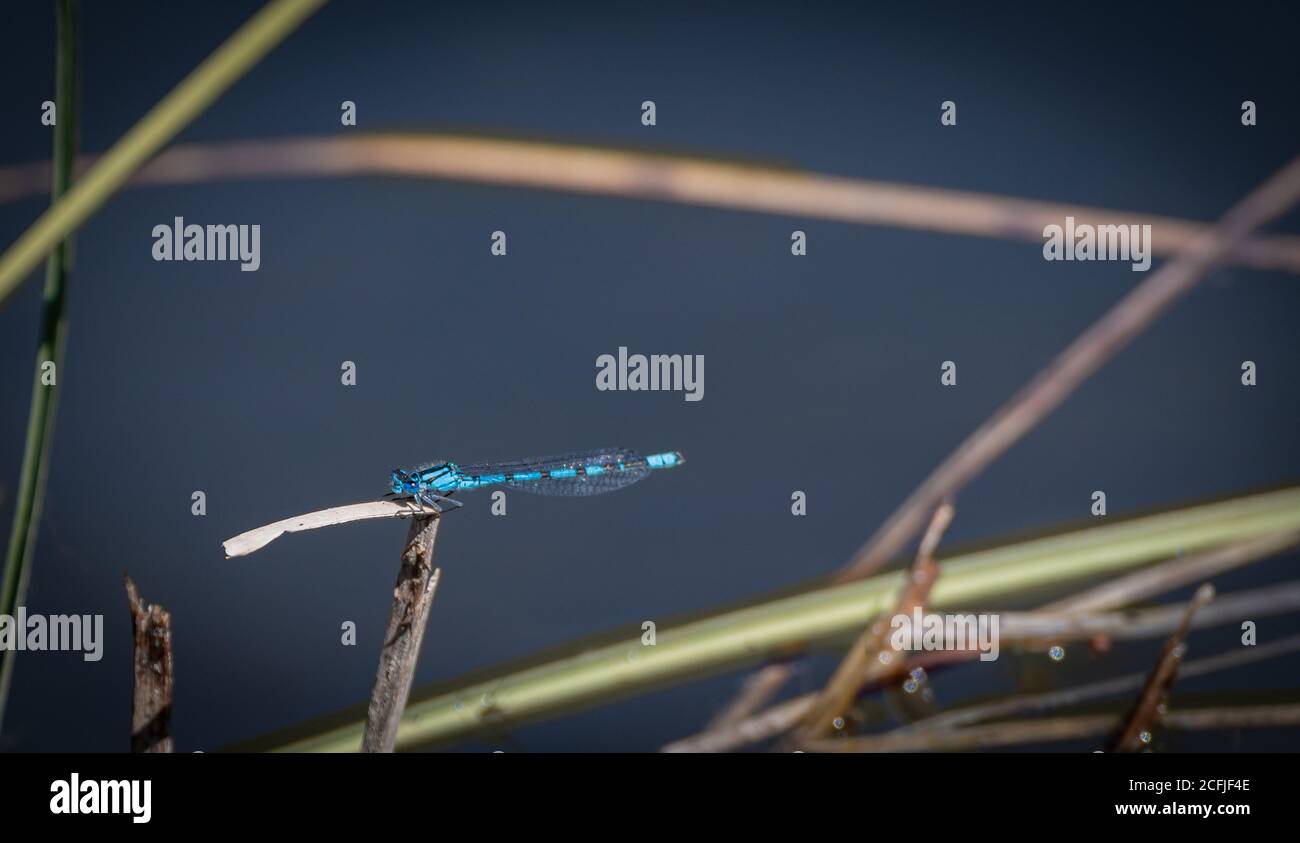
<point x="151" y="648"/>
<point x="417" y="581"/>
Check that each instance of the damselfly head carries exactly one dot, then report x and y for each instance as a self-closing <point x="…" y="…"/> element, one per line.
<point x="403" y="483"/>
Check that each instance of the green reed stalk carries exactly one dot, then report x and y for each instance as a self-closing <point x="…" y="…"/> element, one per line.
<point x="54" y="329"/>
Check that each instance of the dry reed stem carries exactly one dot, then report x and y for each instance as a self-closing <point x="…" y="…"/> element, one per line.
<point x="1172" y="574"/>
<point x="258" y="538"/>
<point x="588" y="169"/>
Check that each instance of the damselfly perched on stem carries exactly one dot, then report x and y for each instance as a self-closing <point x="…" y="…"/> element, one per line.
<point x="580" y="473"/>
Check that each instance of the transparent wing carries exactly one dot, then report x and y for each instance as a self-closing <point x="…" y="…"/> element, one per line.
<point x="554" y="462"/>
<point x="611" y="478"/>
<point x="582" y="484"/>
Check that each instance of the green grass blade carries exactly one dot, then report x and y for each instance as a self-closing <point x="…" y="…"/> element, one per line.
<point x="54" y="327"/>
<point x="586" y="673"/>
<point x="271" y="25"/>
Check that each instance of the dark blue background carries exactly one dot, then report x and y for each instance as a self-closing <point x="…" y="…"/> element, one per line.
<point x="821" y="372"/>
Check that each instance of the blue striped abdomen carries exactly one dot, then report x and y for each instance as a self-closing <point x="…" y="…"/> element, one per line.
<point x="580" y="473"/>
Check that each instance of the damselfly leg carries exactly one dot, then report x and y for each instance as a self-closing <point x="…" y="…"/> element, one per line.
<point x="425" y="497"/>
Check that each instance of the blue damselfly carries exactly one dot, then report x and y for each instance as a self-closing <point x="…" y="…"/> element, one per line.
<point x="580" y="473"/>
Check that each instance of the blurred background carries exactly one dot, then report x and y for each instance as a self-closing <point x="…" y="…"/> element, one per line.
<point x="822" y="372"/>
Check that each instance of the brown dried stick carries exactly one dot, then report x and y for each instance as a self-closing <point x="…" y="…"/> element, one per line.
<point x="417" y="581"/>
<point x="151" y="656"/>
<point x="1146" y="711"/>
<point x="659" y="177"/>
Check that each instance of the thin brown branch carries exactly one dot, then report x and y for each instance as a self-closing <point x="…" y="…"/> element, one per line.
<point x="1258" y="716"/>
<point x="256" y="539"/>
<point x="1031" y="627"/>
<point x="765" y="725"/>
<point x="1045" y="730"/>
<point x="417" y="582"/>
<point x="594" y="170"/>
<point x="154" y="683"/>
<point x="1148" y="709"/>
<point x="870" y="659"/>
<point x="758" y="690"/>
<point x="1093" y="348"/>
<point x="1053" y="729"/>
<point x="1127" y="626"/>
